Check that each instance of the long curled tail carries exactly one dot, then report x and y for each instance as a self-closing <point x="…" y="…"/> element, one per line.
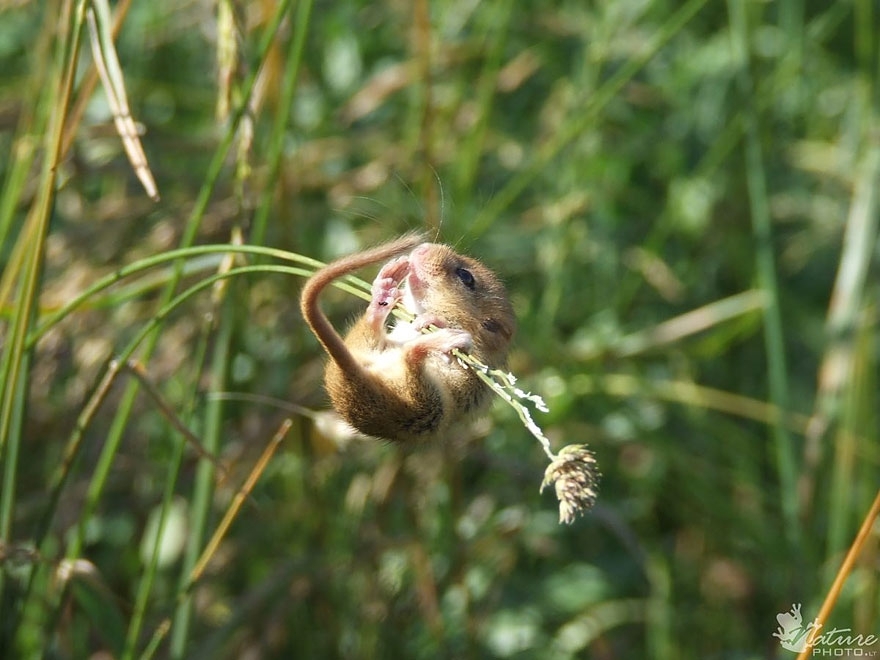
<point x="311" y="310"/>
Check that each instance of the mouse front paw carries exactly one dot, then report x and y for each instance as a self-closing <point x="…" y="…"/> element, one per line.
<point x="426" y="320"/>
<point x="452" y="339"/>
<point x="385" y="291"/>
<point x="442" y="341"/>
<point x="390" y="276"/>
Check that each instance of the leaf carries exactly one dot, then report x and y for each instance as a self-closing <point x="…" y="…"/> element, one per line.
<point x="110" y="72"/>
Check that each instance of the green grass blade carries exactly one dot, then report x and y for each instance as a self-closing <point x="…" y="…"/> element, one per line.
<point x="576" y="125"/>
<point x="13" y="366"/>
<point x="279" y="126"/>
<point x="765" y="266"/>
<point x="497" y="24"/>
<point x="120" y="421"/>
<point x="204" y="486"/>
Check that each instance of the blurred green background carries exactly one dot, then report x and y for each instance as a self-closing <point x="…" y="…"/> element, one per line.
<point x="682" y="200"/>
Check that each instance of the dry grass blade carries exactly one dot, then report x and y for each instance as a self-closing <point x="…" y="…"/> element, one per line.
<point x="137" y="370"/>
<point x="110" y="72"/>
<point x="844" y="571"/>
<point x="87" y="85"/>
<point x="690" y="394"/>
<point x="212" y="545"/>
<point x="691" y="323"/>
<point x="846" y="300"/>
<point x="237" y="501"/>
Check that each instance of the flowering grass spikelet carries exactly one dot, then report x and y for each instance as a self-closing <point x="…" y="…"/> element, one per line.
<point x="576" y="478"/>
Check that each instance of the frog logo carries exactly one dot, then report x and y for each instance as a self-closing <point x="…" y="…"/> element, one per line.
<point x="792" y="633"/>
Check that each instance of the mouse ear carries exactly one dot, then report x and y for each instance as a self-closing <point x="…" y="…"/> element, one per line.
<point x="495" y="326"/>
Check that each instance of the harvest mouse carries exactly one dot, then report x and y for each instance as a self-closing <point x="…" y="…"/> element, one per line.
<point x="404" y="385"/>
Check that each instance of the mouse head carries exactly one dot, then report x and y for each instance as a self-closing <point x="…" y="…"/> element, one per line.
<point x="465" y="294"/>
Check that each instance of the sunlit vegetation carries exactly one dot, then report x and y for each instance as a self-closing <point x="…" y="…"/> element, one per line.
<point x="682" y="198"/>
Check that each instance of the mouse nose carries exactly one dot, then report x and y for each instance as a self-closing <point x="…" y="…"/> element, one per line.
<point x="421" y="250"/>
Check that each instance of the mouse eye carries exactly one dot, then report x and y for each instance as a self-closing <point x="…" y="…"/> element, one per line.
<point x="466" y="277"/>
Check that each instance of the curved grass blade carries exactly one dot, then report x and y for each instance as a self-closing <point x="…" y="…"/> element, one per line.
<point x="110" y="72"/>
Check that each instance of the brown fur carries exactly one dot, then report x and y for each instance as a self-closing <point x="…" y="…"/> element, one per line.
<point x="404" y="385"/>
